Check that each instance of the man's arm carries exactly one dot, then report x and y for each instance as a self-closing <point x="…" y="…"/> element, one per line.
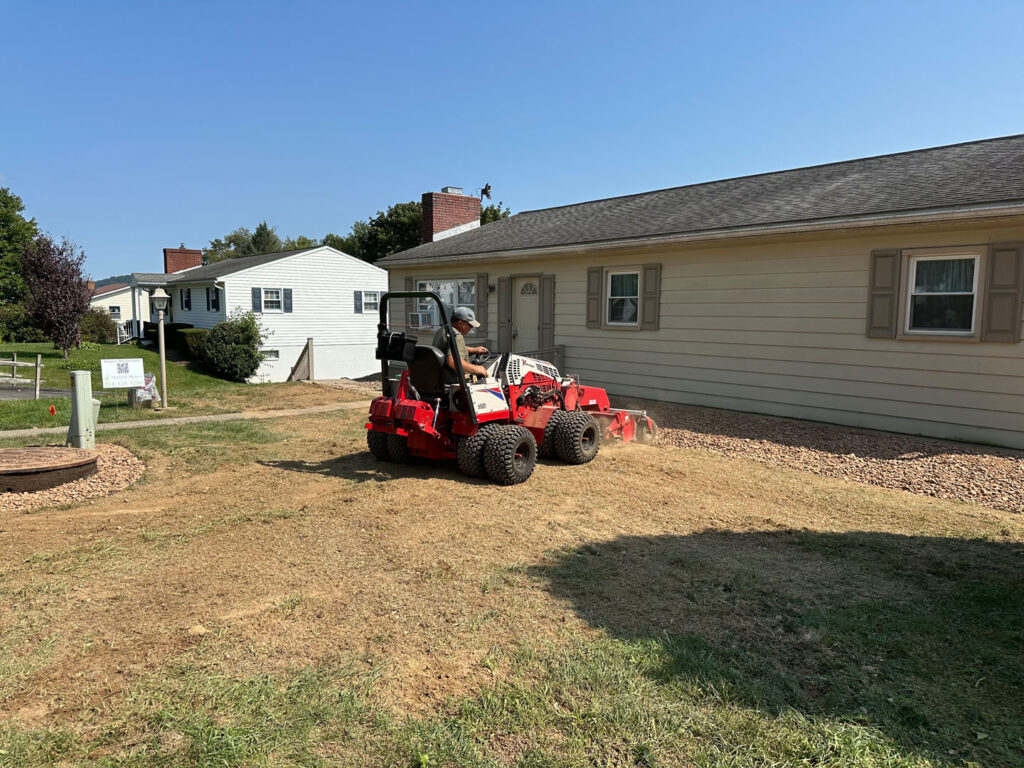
<point x="467" y="367"/>
<point x="477" y="350"/>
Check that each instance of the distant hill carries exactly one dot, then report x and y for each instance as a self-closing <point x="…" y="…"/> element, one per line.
<point x="112" y="280"/>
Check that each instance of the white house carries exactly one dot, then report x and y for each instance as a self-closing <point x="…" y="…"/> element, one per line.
<point x="318" y="293"/>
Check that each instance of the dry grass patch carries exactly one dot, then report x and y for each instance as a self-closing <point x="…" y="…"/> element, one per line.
<point x="291" y="549"/>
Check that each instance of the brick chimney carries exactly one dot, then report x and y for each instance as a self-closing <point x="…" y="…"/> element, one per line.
<point x="177" y="259"/>
<point x="448" y="213"/>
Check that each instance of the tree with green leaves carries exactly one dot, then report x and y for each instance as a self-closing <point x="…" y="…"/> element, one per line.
<point x="492" y="212"/>
<point x="16" y="232"/>
<point x="243" y="242"/>
<point x="397" y="229"/>
<point x="300" y="242"/>
<point x="265" y="239"/>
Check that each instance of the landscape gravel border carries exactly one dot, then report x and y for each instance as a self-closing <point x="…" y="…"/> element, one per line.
<point x="944" y="469"/>
<point x="117" y="468"/>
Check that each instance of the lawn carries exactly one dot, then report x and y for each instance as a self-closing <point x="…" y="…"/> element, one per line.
<point x="268" y="594"/>
<point x="189" y="391"/>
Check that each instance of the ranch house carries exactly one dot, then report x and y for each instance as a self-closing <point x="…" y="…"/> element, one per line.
<point x="883" y="292"/>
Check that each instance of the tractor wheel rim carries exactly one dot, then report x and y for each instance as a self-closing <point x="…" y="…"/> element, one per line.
<point x="520" y="456"/>
<point x="587" y="440"/>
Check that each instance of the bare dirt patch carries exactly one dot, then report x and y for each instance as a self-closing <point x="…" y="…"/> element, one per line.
<point x="989" y="476"/>
<point x="116" y="469"/>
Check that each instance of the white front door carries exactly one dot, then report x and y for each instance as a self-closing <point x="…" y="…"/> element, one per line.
<point x="525" y="313"/>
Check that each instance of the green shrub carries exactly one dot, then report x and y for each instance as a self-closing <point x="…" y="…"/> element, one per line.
<point x="172" y="333"/>
<point x="232" y="348"/>
<point x="98" y="326"/>
<point x="15" y="325"/>
<point x="193" y="343"/>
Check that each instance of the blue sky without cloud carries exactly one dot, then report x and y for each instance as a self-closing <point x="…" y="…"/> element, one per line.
<point x="134" y="126"/>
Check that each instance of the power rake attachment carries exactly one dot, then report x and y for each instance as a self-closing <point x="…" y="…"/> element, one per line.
<point x="494" y="426"/>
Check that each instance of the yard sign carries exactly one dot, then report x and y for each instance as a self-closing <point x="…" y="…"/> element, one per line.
<point x="123" y="373"/>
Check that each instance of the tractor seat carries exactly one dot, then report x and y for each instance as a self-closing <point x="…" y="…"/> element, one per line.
<point x="428" y="373"/>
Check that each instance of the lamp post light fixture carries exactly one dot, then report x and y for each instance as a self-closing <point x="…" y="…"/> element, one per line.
<point x="160" y="299"/>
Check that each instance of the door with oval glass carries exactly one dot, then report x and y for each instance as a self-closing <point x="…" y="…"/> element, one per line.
<point x="525" y="313"/>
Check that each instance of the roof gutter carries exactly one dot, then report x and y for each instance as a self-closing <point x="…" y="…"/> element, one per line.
<point x="935" y="215"/>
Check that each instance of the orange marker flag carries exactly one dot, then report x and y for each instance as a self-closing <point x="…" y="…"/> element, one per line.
<point x="53" y="411"/>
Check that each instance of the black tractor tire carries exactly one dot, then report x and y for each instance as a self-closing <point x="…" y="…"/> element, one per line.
<point x="510" y="455"/>
<point x="398" y="449"/>
<point x="377" y="442"/>
<point x="546" y="449"/>
<point x="469" y="453"/>
<point x="578" y="439"/>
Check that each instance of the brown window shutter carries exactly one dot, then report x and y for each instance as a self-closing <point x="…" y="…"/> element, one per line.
<point x="883" y="294"/>
<point x="504" y="314"/>
<point x="481" y="304"/>
<point x="650" y="300"/>
<point x="546" y="339"/>
<point x="1002" y="301"/>
<point x="595" y="296"/>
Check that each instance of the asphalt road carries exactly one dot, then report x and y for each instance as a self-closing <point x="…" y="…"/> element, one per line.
<point x="21" y="393"/>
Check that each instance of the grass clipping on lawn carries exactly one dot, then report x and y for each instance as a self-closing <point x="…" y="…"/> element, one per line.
<point x="270" y="594"/>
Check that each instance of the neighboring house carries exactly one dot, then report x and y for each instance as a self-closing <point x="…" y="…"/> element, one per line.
<point x="116" y="299"/>
<point x="883" y="293"/>
<point x="317" y="293"/>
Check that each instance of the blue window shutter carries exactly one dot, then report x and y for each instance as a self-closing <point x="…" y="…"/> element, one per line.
<point x="257" y="299"/>
<point x="358" y="301"/>
<point x="287" y="299"/>
<point x="207" y="299"/>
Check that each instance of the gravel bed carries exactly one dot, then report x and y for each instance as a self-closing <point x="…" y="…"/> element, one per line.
<point x="993" y="477"/>
<point x="117" y="468"/>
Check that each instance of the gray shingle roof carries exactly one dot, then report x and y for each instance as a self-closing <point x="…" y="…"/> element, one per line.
<point x="975" y="173"/>
<point x="149" y="278"/>
<point x="230" y="266"/>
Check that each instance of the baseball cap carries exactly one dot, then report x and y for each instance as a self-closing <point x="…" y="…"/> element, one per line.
<point x="465" y="313"/>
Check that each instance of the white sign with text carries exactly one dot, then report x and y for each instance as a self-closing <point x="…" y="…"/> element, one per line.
<point x="123" y="373"/>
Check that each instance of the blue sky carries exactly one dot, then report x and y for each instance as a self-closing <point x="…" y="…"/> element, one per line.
<point x="129" y="127"/>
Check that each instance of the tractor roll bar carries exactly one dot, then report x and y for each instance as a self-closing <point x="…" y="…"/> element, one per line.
<point x="382" y="325"/>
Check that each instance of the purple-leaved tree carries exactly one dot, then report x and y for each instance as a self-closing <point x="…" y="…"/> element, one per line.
<point x="58" y="292"/>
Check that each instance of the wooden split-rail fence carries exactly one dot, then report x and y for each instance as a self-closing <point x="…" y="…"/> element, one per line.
<point x="9" y="372"/>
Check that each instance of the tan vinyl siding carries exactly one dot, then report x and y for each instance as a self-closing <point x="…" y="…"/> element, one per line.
<point x="121" y="298"/>
<point x="779" y="328"/>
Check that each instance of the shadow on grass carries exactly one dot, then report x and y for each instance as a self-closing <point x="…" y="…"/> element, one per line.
<point x="364" y="468"/>
<point x="919" y="637"/>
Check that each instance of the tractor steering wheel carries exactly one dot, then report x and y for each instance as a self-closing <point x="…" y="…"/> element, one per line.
<point x="482" y="358"/>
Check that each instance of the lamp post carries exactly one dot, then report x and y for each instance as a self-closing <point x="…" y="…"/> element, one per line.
<point x="160" y="298"/>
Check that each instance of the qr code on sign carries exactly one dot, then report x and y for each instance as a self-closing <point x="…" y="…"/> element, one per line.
<point x="122" y="368"/>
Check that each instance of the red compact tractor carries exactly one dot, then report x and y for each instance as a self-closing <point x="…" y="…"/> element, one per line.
<point x="495" y="426"/>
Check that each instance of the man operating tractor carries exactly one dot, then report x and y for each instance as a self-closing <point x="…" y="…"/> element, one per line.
<point x="463" y="320"/>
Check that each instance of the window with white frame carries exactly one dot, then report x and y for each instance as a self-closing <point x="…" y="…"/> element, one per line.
<point x="272" y="301"/>
<point x="371" y="301"/>
<point x="115" y="312"/>
<point x="622" y="292"/>
<point x="453" y="293"/>
<point x="271" y="354"/>
<point x="942" y="296"/>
